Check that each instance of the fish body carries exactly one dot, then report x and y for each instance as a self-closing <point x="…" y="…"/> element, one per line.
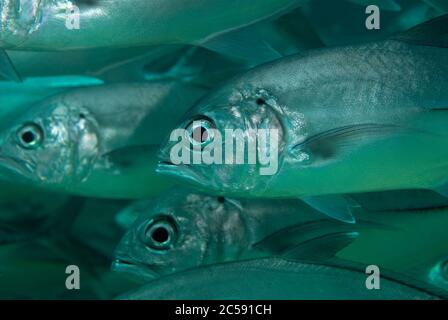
<point x="124" y="56"/>
<point x="273" y="279"/>
<point x="19" y="96"/>
<point x="42" y="24"/>
<point x="211" y="230"/>
<point x="76" y="141"/>
<point x="355" y="114"/>
<point x="201" y="229"/>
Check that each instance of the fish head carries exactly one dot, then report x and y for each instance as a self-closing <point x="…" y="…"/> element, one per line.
<point x="223" y="120"/>
<point x="173" y="233"/>
<point x="49" y="144"/>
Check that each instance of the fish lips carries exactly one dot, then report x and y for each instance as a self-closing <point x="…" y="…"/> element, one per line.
<point x="182" y="172"/>
<point x="166" y="167"/>
<point x="139" y="271"/>
<point x="12" y="168"/>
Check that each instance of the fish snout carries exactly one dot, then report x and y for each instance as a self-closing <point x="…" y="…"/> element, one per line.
<point x="138" y="271"/>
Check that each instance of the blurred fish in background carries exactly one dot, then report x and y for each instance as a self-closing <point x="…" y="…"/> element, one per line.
<point x="84" y="114"/>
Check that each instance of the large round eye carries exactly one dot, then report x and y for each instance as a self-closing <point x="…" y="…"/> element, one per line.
<point x="160" y="233"/>
<point x="200" y="131"/>
<point x="30" y="136"/>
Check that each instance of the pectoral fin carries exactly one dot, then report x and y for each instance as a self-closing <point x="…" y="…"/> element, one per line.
<point x="334" y="206"/>
<point x="7" y="69"/>
<point x="313" y="241"/>
<point x="328" y="144"/>
<point x="322" y="248"/>
<point x="284" y="240"/>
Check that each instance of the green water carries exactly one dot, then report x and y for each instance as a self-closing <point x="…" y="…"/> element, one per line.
<point x="81" y="132"/>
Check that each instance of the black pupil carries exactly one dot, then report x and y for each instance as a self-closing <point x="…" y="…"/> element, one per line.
<point x="221" y="199"/>
<point x="160" y="235"/>
<point x="201" y="133"/>
<point x="28" y="137"/>
<point x="260" y="101"/>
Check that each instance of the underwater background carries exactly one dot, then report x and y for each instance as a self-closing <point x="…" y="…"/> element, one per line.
<point x="73" y="193"/>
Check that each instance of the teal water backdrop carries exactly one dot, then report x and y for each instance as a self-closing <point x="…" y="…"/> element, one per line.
<point x="93" y="207"/>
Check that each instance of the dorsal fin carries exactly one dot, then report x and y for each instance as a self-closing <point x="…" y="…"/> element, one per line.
<point x="432" y="33"/>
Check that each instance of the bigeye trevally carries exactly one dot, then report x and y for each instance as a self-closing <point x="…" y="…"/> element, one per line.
<point x="45" y="24"/>
<point x="97" y="141"/>
<point x="348" y="120"/>
<point x="274" y="278"/>
<point x="247" y="31"/>
<point x="228" y="27"/>
<point x="183" y="229"/>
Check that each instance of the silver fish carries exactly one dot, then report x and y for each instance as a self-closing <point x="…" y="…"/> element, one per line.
<point x="183" y="229"/>
<point x="274" y="279"/>
<point x="97" y="141"/>
<point x="358" y="122"/>
<point x="42" y="24"/>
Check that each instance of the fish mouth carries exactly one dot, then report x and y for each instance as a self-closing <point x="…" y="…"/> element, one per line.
<point x="12" y="167"/>
<point x="177" y="171"/>
<point x="167" y="168"/>
<point x="139" y="271"/>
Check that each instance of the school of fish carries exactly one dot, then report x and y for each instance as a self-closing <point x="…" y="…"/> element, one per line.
<point x="209" y="149"/>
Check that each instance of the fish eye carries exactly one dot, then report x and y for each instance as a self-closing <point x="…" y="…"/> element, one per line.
<point x="260" y="101"/>
<point x="30" y="136"/>
<point x="200" y="132"/>
<point x="160" y="233"/>
<point x="221" y="199"/>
